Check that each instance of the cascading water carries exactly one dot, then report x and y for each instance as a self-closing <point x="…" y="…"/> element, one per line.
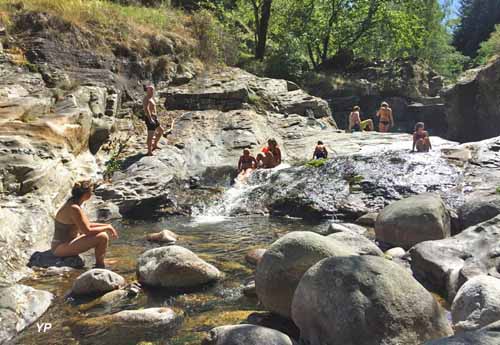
<point x="236" y="199"/>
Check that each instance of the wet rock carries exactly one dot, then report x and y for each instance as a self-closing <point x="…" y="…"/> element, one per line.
<point x="21" y="306"/>
<point x="111" y="301"/>
<point x="97" y="281"/>
<point x="365" y="300"/>
<point x="174" y="267"/>
<point x="368" y="219"/>
<point x="413" y="220"/>
<point x="246" y="335"/>
<point x="284" y="263"/>
<point x="396" y="252"/>
<point x="476" y="304"/>
<point x="249" y="289"/>
<point x="475" y="93"/>
<point x="489" y="335"/>
<point x="357" y="243"/>
<point x="165" y="236"/>
<point x="446" y="264"/>
<point x="477" y="211"/>
<point x="254" y="256"/>
<point x="130" y="326"/>
<point x="47" y="259"/>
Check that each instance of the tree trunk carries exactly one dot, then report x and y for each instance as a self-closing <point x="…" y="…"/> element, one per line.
<point x="263" y="26"/>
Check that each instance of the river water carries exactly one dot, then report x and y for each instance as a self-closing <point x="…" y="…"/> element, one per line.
<point x="220" y="240"/>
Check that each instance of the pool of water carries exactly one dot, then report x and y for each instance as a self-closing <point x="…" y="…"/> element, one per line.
<point x="222" y="241"/>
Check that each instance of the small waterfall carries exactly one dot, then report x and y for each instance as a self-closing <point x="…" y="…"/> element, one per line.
<point x="236" y="198"/>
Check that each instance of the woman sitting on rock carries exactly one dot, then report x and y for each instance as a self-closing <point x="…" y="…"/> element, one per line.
<point x="272" y="153"/>
<point x="421" y="138"/>
<point x="74" y="234"/>
<point x="246" y="164"/>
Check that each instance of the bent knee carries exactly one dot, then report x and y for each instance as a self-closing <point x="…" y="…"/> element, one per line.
<point x="103" y="237"/>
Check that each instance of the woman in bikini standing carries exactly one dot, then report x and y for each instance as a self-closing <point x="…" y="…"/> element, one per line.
<point x="74" y="234"/>
<point x="386" y="121"/>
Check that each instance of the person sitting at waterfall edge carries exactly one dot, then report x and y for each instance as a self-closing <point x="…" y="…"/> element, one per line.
<point x="421" y="138"/>
<point x="74" y="234"/>
<point x="367" y="125"/>
<point x="246" y="164"/>
<point x="355" y="120"/>
<point x="386" y="120"/>
<point x="155" y="130"/>
<point x="320" y="152"/>
<point x="272" y="153"/>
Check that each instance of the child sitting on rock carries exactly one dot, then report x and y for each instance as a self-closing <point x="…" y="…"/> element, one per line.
<point x="421" y="139"/>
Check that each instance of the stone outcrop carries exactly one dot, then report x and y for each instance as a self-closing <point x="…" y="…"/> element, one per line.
<point x="489" y="335"/>
<point x="174" y="267"/>
<point x="20" y="306"/>
<point x="365" y="300"/>
<point x="359" y="244"/>
<point x="284" y="263"/>
<point x="447" y="264"/>
<point x="413" y="220"/>
<point x="477" y="211"/>
<point x="472" y="104"/>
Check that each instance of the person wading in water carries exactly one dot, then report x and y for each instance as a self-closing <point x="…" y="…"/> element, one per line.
<point x="74" y="233"/>
<point x="421" y="138"/>
<point x="155" y="130"/>
<point x="386" y="121"/>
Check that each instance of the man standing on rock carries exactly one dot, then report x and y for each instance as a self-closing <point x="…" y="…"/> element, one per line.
<point x="155" y="130"/>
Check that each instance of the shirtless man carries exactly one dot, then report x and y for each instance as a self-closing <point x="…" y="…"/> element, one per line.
<point x="386" y="121"/>
<point x="355" y="120"/>
<point x="155" y="130"/>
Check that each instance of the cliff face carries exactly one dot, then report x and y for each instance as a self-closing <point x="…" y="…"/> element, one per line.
<point x="473" y="104"/>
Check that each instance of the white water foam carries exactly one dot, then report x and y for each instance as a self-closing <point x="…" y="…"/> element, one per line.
<point x="235" y="198"/>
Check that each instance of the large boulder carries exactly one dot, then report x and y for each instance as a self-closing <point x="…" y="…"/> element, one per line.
<point x="446" y="264"/>
<point x="246" y="335"/>
<point x="365" y="300"/>
<point x="284" y="263"/>
<point x="419" y="218"/>
<point x="97" y="281"/>
<point x="477" y="211"/>
<point x="357" y="243"/>
<point x="130" y="326"/>
<point x="475" y="93"/>
<point x="489" y="335"/>
<point x="174" y="267"/>
<point x="21" y="306"/>
<point x="476" y="304"/>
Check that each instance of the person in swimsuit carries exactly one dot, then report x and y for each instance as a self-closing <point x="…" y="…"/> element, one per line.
<point x="421" y="139"/>
<point x="320" y="152"/>
<point x="272" y="153"/>
<point x="355" y="120"/>
<point x="246" y="164"/>
<point x="367" y="125"/>
<point x="155" y="130"/>
<point x="74" y="233"/>
<point x="386" y="120"/>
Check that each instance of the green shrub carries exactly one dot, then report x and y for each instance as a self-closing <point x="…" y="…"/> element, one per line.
<point x="316" y="163"/>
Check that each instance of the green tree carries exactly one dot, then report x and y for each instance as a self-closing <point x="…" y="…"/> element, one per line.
<point x="477" y="22"/>
<point x="491" y="47"/>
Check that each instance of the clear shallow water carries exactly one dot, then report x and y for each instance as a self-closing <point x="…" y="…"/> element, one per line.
<point x="222" y="241"/>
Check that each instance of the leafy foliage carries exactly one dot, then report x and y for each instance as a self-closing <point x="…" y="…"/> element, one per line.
<point x="490" y="48"/>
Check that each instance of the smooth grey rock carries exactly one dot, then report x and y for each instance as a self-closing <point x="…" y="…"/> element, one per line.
<point x="246" y="335"/>
<point x="284" y="263"/>
<point x="21" y="306"/>
<point x="413" y="220"/>
<point x="345" y="227"/>
<point x="97" y="281"/>
<point x="357" y="243"/>
<point x="130" y="326"/>
<point x="174" y="267"/>
<point x="164" y="236"/>
<point x="365" y="300"/>
<point x="368" y="219"/>
<point x="446" y="264"/>
<point x="396" y="252"/>
<point x="477" y="211"/>
<point x="476" y="304"/>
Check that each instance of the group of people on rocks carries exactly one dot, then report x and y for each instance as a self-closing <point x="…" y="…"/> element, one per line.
<point x="268" y="158"/>
<point x="421" y="140"/>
